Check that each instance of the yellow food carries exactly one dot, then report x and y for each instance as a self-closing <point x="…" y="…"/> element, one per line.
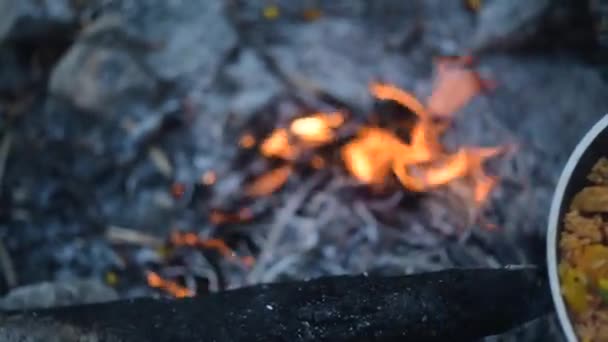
<point x="583" y="247"/>
<point x="592" y="199"/>
<point x="599" y="173"/>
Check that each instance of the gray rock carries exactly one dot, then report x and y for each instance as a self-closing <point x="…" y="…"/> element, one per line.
<point x="26" y="19"/>
<point x="47" y="295"/>
<point x="125" y="58"/>
<point x="99" y="79"/>
<point x="504" y="24"/>
<point x="103" y="67"/>
<point x="196" y="37"/>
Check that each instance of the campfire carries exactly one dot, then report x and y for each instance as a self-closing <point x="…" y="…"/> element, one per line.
<point x="404" y="154"/>
<point x="204" y="154"/>
<point x="376" y="153"/>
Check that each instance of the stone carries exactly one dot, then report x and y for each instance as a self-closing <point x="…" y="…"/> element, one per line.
<point x="98" y="79"/>
<point x="196" y="37"/>
<point x="49" y="294"/>
<point x="128" y="55"/>
<point x="102" y="72"/>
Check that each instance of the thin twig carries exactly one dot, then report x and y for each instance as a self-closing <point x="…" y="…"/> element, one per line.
<point x="8" y="268"/>
<point x="276" y="230"/>
<point x="4" y="151"/>
<point x="129" y="236"/>
<point x="387" y="204"/>
<point x="371" y="224"/>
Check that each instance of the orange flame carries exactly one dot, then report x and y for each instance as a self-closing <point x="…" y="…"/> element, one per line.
<point x="449" y="167"/>
<point x="369" y="157"/>
<point x="318" y="128"/>
<point x="390" y="92"/>
<point x="278" y="145"/>
<point x="420" y="164"/>
<point x="169" y="286"/>
<point x="310" y="131"/>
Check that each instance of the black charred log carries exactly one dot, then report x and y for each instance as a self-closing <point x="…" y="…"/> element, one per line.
<point x="453" y="305"/>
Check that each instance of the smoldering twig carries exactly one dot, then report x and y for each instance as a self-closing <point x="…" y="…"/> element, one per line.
<point x="6" y="261"/>
<point x="386" y="204"/>
<point x="4" y="152"/>
<point x="8" y="268"/>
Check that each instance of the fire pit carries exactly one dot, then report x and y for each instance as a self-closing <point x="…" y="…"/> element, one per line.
<point x="176" y="149"/>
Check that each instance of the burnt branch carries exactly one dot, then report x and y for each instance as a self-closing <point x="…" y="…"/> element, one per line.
<point x="454" y="305"/>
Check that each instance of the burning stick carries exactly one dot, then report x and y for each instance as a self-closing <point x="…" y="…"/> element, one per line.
<point x="454" y="305"/>
<point x="176" y="290"/>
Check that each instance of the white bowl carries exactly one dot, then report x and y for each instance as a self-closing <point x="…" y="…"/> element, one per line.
<point x="573" y="178"/>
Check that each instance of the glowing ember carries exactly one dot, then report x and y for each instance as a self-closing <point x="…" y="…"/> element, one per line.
<point x="317" y="162"/>
<point x="277" y="145"/>
<point x="247" y="141"/>
<point x="178" y="190"/>
<point x="193" y="240"/>
<point x="169" y="286"/>
<point x="220" y="217"/>
<point x="209" y="178"/>
<point x="269" y="182"/>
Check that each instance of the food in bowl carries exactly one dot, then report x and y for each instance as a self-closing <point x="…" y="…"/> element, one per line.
<point x="583" y="266"/>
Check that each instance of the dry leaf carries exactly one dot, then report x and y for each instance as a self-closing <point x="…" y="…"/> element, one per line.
<point x="454" y="87"/>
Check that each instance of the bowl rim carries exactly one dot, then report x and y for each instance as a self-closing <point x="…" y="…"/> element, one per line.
<point x="553" y="228"/>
